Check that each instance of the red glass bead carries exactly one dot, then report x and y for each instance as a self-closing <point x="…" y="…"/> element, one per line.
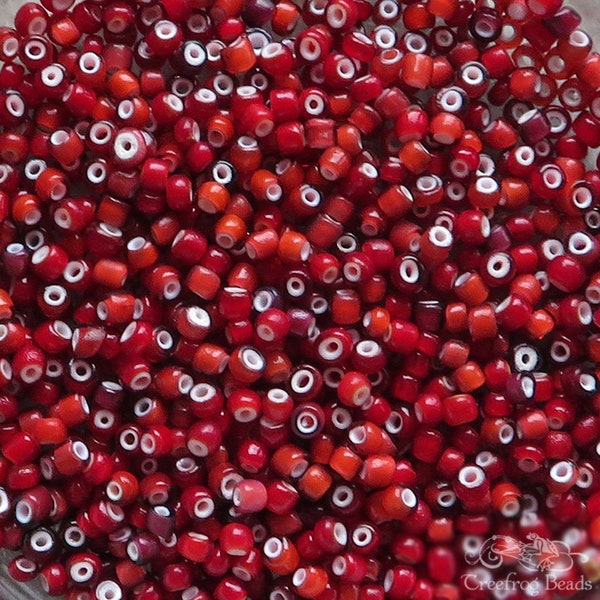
<point x="54" y="579"/>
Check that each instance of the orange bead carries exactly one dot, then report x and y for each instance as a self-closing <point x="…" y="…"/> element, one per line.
<point x="134" y="112"/>
<point x="293" y="247"/>
<point x="303" y="201"/>
<point x="141" y="253"/>
<point x="123" y="488"/>
<point x="104" y="109"/>
<point x="528" y="287"/>
<point x="220" y="131"/>
<point x="264" y="185"/>
<point x="289" y="461"/>
<point x="210" y="359"/>
<point x="110" y="273"/>
<point x="128" y="573"/>
<point x="500" y="135"/>
<point x="525" y="84"/>
<point x="456" y="316"/>
<point x="387" y="64"/>
<point x="446" y="128"/>
<point x="395" y="202"/>
<point x="417" y="70"/>
<point x="574" y="170"/>
<point x="471" y="289"/>
<point x="123" y="84"/>
<point x="49" y="430"/>
<point x="454" y="353"/>
<point x="345" y="462"/>
<point x="290" y="174"/>
<point x="285" y="17"/>
<point x="203" y="282"/>
<point x="482" y="322"/>
<point x="468" y="377"/>
<point x="245" y="154"/>
<point x="246" y="364"/>
<point x="540" y="324"/>
<point x="471" y="139"/>
<point x="345" y="307"/>
<point x="515" y="192"/>
<point x="72" y="410"/>
<point x="26" y="209"/>
<point x="112" y="211"/>
<point x="398" y="501"/>
<point x="348" y="138"/>
<point x="444" y="9"/>
<point x="230" y="230"/>
<point x="212" y="197"/>
<point x="309" y="582"/>
<point x="405" y="236"/>
<point x="417" y="16"/>
<point x="375" y="509"/>
<point x="339" y="208"/>
<point x="50" y="185"/>
<point x="117" y="308"/>
<point x="484" y="192"/>
<point x="239" y="56"/>
<point x="315" y="483"/>
<point x="414" y="156"/>
<point x="262" y="244"/>
<point x="334" y="163"/>
<point x="532" y="425"/>
<point x="440" y="531"/>
<point x="323" y="231"/>
<point x="376" y="322"/>
<point x="435" y="245"/>
<point x="367" y="438"/>
<point x="496" y="431"/>
<point x="64" y="32"/>
<point x="377" y="471"/>
<point x="281" y="556"/>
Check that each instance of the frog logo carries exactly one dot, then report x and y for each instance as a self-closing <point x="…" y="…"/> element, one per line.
<point x="536" y="554"/>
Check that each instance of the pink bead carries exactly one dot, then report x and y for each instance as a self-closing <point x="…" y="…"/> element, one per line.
<point x="249" y="496"/>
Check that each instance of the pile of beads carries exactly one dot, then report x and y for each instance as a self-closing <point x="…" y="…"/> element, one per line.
<point x="300" y="301"/>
